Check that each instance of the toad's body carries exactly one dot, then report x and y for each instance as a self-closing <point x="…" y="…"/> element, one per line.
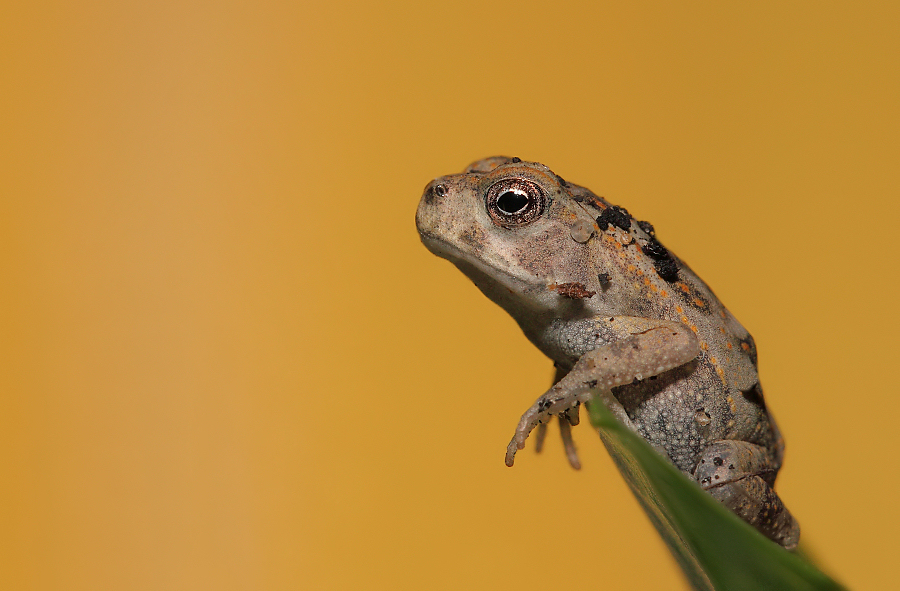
<point x="622" y="318"/>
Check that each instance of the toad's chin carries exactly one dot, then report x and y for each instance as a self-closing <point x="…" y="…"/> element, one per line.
<point x="510" y="292"/>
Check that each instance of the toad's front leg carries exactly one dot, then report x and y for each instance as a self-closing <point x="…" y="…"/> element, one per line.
<point x="637" y="356"/>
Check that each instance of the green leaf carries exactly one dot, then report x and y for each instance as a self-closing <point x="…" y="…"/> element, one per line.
<point x="715" y="549"/>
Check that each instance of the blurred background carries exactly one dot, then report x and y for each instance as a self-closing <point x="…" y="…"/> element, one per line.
<point x="228" y="363"/>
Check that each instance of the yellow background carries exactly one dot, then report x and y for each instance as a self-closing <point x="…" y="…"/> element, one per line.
<point x="228" y="363"/>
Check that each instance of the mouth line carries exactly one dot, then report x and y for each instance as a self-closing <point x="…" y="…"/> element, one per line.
<point x="447" y="251"/>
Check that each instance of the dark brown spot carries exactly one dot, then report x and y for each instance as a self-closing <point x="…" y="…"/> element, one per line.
<point x="575" y="290"/>
<point x="667" y="269"/>
<point x="662" y="259"/>
<point x="655" y="250"/>
<point x="616" y="216"/>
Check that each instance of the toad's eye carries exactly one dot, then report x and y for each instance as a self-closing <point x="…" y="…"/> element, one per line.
<point x="514" y="202"/>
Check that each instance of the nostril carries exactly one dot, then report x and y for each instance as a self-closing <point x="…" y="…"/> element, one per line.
<point x="434" y="192"/>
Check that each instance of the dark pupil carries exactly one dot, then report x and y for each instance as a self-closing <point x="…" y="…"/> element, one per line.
<point x="512" y="202"/>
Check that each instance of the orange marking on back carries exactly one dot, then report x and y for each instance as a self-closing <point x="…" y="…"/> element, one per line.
<point x="679" y="309"/>
<point x="745" y="346"/>
<point x="703" y="346"/>
<point x="699" y="303"/>
<point x="729" y="346"/>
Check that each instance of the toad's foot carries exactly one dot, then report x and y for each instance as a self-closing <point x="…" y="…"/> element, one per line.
<point x="567" y="420"/>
